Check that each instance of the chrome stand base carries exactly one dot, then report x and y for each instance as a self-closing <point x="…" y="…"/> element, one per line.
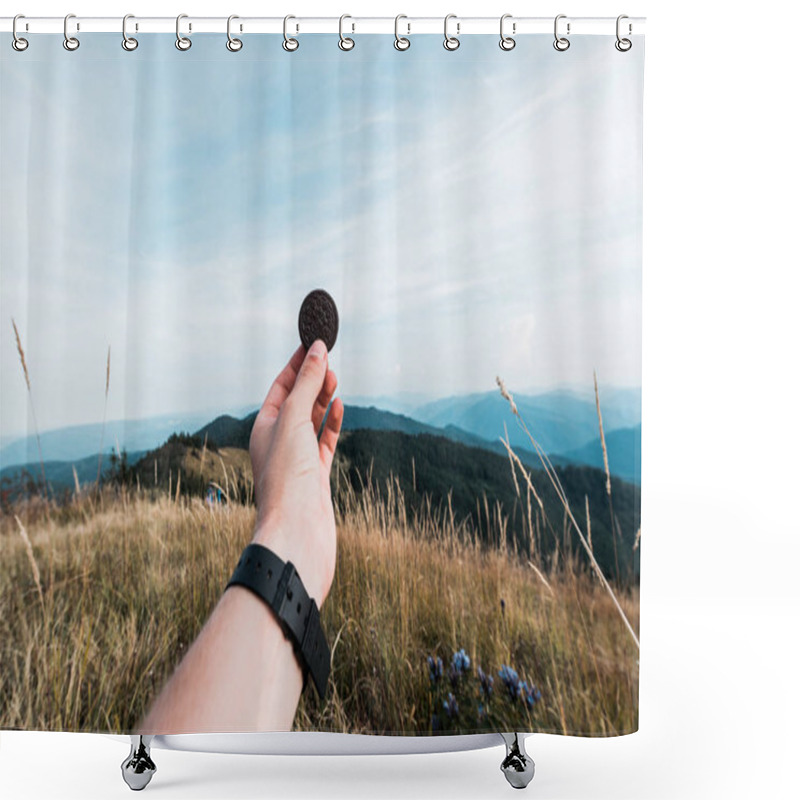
<point x="138" y="768"/>
<point x="517" y="766"/>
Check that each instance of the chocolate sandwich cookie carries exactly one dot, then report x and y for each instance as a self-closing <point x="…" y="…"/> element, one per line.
<point x="318" y="319"/>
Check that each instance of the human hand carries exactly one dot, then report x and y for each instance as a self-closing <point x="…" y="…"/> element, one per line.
<point x="291" y="470"/>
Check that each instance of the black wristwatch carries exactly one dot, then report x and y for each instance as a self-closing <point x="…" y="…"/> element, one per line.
<point x="279" y="586"/>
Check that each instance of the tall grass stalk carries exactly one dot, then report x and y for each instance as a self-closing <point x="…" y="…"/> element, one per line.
<point x="588" y="523"/>
<point x="21" y="352"/>
<point x="608" y="474"/>
<point x="31" y="559"/>
<point x="105" y="409"/>
<point x="602" y="435"/>
<point x="559" y="489"/>
<point x="541" y="577"/>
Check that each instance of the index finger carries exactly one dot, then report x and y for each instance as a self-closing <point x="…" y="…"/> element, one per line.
<point x="283" y="384"/>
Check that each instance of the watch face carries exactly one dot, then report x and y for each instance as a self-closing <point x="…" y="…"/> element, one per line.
<point x="455" y="481"/>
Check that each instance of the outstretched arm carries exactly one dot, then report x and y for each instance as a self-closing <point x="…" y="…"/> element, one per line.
<point x="241" y="673"/>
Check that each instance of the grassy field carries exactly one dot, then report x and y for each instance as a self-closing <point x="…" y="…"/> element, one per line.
<point x="100" y="598"/>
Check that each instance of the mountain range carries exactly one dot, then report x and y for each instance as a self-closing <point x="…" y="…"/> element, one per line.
<point x="453" y="468"/>
<point x="563" y="422"/>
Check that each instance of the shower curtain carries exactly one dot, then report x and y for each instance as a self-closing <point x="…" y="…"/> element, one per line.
<point x="471" y="533"/>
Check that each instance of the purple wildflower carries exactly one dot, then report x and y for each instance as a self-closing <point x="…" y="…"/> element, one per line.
<point x="459" y="665"/>
<point x="487" y="683"/>
<point x="510" y="678"/>
<point x="525" y="693"/>
<point x="531" y="695"/>
<point x="454" y="675"/>
<point x="519" y="690"/>
<point x="435" y="669"/>
<point x="451" y="705"/>
<point x="461" y="660"/>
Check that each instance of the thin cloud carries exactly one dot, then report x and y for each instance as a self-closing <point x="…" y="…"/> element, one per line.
<point x="469" y="218"/>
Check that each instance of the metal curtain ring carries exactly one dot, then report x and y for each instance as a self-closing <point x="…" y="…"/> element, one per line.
<point x="623" y="45"/>
<point x="345" y="42"/>
<point x="561" y="43"/>
<point x="18" y="43"/>
<point x="233" y="44"/>
<point x="451" y="42"/>
<point x="181" y="42"/>
<point x="400" y="42"/>
<point x="128" y="42"/>
<point x="289" y="44"/>
<point x="507" y="42"/>
<point x="70" y="42"/>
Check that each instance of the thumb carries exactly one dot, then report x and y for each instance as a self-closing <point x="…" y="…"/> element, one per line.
<point x="310" y="379"/>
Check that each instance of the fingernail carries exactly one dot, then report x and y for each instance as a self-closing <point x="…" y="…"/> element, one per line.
<point x="318" y="349"/>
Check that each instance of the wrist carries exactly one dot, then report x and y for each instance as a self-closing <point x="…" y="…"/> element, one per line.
<point x="279" y="585"/>
<point x="275" y="535"/>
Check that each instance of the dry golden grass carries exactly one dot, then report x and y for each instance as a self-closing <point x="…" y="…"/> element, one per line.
<point x="556" y="483"/>
<point x="128" y="579"/>
<point x="125" y="580"/>
<point x="406" y="588"/>
<point x="24" y="364"/>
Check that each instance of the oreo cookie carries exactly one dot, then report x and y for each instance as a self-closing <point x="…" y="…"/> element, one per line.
<point x="318" y="319"/>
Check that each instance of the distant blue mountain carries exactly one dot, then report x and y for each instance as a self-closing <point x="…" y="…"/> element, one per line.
<point x="399" y="403"/>
<point x="560" y="421"/>
<point x="59" y="473"/>
<point x="357" y="417"/>
<point x="563" y="422"/>
<point x="624" y="453"/>
<point x="227" y="431"/>
<point x="79" y="441"/>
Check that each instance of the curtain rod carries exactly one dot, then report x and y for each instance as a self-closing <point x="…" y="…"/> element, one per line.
<point x="407" y="25"/>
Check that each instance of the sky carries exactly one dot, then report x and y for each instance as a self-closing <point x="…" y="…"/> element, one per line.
<point x="473" y="213"/>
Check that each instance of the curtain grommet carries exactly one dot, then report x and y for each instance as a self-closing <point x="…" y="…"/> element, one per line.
<point x="183" y="43"/>
<point x="345" y="42"/>
<point x="129" y="43"/>
<point x="233" y="44"/>
<point x="451" y="42"/>
<point x="289" y="44"/>
<point x="17" y="42"/>
<point x="507" y="42"/>
<point x="70" y="43"/>
<point x="401" y="43"/>
<point x="623" y="44"/>
<point x="561" y="43"/>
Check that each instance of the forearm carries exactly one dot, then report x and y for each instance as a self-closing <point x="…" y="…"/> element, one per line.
<point x="241" y="674"/>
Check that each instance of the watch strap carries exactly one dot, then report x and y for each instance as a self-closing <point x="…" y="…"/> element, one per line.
<point x="279" y="586"/>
